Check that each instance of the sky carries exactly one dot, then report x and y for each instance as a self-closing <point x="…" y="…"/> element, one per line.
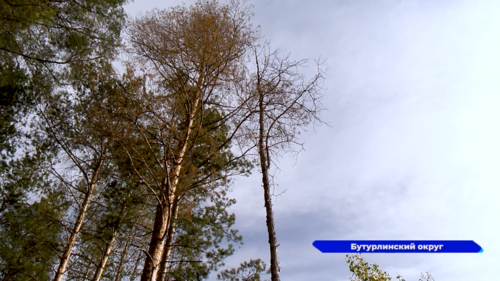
<point x="412" y="151"/>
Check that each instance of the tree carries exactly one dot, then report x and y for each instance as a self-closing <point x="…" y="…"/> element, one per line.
<point x="59" y="32"/>
<point x="191" y="54"/>
<point x="364" y="271"/>
<point x="284" y="103"/>
<point x="207" y="165"/>
<point x="72" y="122"/>
<point x="73" y="154"/>
<point x="45" y="46"/>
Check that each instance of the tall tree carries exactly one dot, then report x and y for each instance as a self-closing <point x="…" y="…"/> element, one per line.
<point x="285" y="102"/>
<point x="44" y="47"/>
<point x="72" y="122"/>
<point x="190" y="53"/>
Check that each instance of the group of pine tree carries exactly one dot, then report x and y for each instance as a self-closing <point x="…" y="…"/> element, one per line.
<point x="124" y="173"/>
<point x="109" y="174"/>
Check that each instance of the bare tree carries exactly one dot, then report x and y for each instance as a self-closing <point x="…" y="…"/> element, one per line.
<point x="285" y="103"/>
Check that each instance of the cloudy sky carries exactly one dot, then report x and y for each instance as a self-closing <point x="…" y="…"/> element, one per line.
<point x="413" y="151"/>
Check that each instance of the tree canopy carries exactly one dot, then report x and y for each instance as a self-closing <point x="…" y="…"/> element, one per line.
<point x="111" y="175"/>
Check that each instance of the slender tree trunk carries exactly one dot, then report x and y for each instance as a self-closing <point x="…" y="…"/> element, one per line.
<point x="164" y="211"/>
<point x="89" y="269"/>
<point x="104" y="261"/>
<point x="130" y="236"/>
<point x="74" y="234"/>
<point x="109" y="246"/>
<point x="122" y="259"/>
<point x="63" y="264"/>
<point x="134" y="273"/>
<point x="264" y="165"/>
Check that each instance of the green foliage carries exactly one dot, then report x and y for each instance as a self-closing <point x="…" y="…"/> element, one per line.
<point x="247" y="271"/>
<point x="364" y="271"/>
<point x="59" y="32"/>
<point x="14" y="92"/>
<point x="204" y="237"/>
<point x="41" y="44"/>
<point x="31" y="238"/>
<point x="19" y="178"/>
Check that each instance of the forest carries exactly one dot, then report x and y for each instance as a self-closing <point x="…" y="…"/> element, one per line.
<point x="120" y="137"/>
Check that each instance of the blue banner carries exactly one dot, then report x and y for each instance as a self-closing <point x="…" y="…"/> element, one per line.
<point x="397" y="246"/>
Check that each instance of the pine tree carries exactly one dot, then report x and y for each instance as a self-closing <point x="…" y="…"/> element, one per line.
<point x="283" y="103"/>
<point x="45" y="47"/>
<point x="189" y="54"/>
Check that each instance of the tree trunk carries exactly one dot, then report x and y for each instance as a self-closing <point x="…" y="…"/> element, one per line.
<point x="151" y="268"/>
<point x="109" y="246"/>
<point x="63" y="264"/>
<point x="104" y="261"/>
<point x="74" y="234"/>
<point x="89" y="269"/>
<point x="155" y="251"/>
<point x="264" y="165"/>
<point x="168" y="245"/>
<point x="122" y="259"/>
<point x="130" y="236"/>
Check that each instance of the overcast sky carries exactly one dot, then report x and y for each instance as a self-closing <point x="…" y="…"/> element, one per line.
<point x="413" y="98"/>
